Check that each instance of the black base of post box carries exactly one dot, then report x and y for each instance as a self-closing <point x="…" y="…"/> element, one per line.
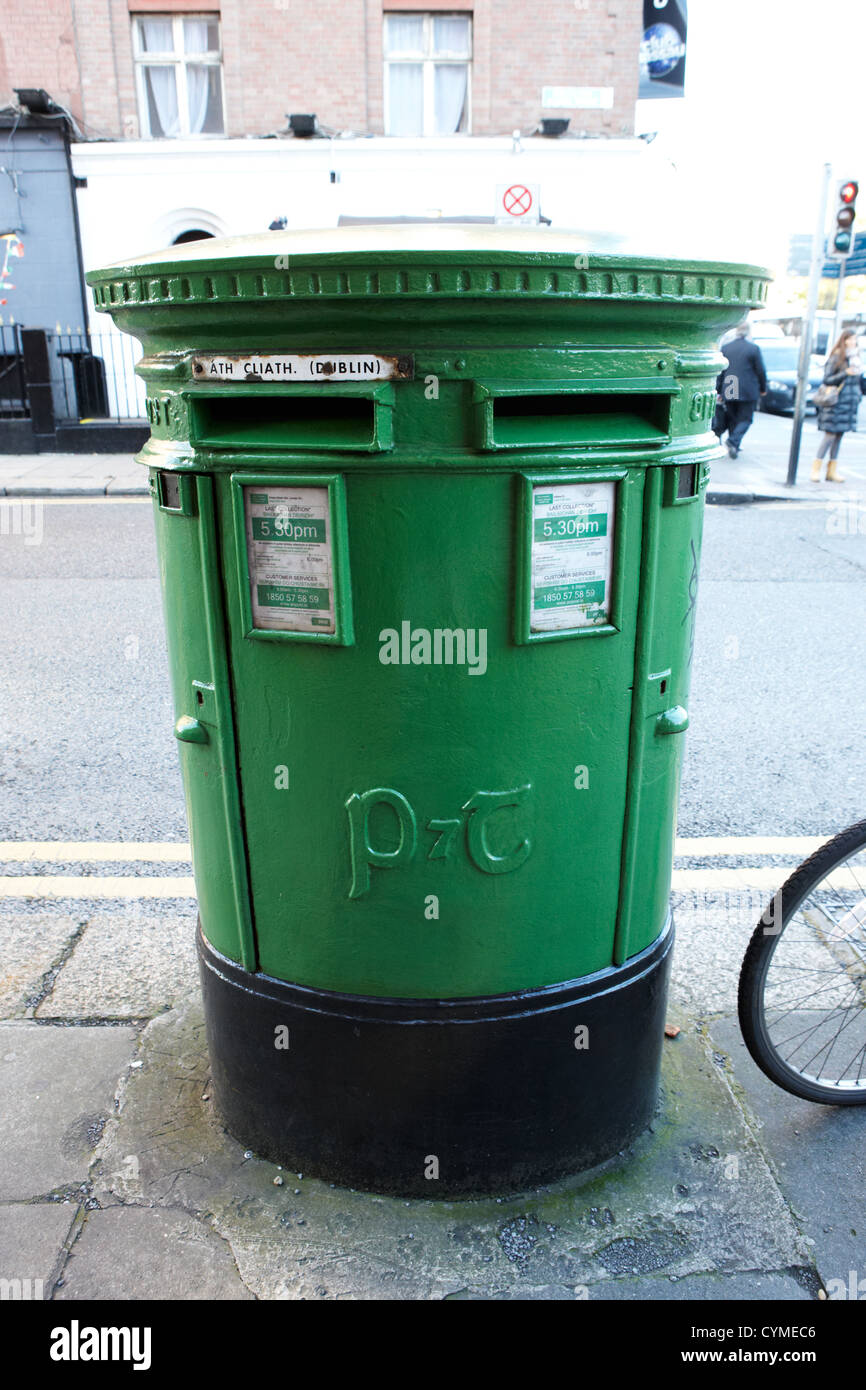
<point x="430" y="1098"/>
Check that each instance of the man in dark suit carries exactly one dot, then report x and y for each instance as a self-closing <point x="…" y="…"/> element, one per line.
<point x="738" y="388"/>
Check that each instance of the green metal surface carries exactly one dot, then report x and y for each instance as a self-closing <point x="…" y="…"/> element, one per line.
<point x="365" y="815"/>
<point x="195" y="631"/>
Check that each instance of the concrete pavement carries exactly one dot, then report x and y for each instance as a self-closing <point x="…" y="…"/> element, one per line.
<point x="71" y="475"/>
<point x="760" y="472"/>
<point x="118" y="1181"/>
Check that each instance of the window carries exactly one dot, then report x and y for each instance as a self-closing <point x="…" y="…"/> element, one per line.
<point x="194" y="234"/>
<point x="427" y="64"/>
<point x="179" y="75"/>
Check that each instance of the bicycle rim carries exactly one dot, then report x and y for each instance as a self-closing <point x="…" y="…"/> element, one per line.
<point x="811" y="979"/>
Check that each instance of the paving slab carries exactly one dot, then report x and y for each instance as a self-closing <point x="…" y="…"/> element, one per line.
<point x="46" y="487"/>
<point x="693" y="1196"/>
<point x="71" y="475"/>
<point x="32" y="1240"/>
<point x="746" y="1288"/>
<point x="30" y="944"/>
<point x="129" y="484"/>
<point x="58" y="1087"/>
<point x="712" y="932"/>
<point x="761" y="470"/>
<point x="125" y="965"/>
<point x="148" y="1252"/>
<point x="827" y="1195"/>
<point x="60" y="463"/>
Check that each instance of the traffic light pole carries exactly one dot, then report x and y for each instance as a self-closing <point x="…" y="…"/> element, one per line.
<point x="808" y="322"/>
<point x="840" y="301"/>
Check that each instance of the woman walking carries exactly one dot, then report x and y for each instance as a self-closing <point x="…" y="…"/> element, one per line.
<point x="838" y="402"/>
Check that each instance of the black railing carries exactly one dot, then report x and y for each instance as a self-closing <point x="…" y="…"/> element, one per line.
<point x="93" y="376"/>
<point x="69" y="392"/>
<point x="13" y="391"/>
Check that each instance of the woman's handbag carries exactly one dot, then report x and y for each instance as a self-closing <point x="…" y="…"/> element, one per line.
<point x="827" y="395"/>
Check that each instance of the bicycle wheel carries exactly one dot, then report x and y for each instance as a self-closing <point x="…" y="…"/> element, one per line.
<point x="802" y="993"/>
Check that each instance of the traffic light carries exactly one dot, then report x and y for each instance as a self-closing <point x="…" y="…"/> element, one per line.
<point x="842" y="236"/>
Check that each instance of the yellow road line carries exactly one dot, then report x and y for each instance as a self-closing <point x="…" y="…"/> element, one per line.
<point x="36" y="886"/>
<point x="95" y="851"/>
<point x="178" y="851"/>
<point x="801" y="845"/>
<point x="52" y="886"/>
<point x="764" y="879"/>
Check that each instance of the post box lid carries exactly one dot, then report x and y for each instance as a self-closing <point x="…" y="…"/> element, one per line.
<point x="549" y="284"/>
<point x="417" y="243"/>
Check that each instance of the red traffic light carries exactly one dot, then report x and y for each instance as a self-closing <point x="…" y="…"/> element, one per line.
<point x="842" y="238"/>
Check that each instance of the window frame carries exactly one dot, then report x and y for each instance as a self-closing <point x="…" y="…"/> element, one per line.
<point x="428" y="62"/>
<point x="178" y="59"/>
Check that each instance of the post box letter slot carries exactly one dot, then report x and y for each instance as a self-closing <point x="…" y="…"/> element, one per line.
<point x="575" y="418"/>
<point x="325" y="421"/>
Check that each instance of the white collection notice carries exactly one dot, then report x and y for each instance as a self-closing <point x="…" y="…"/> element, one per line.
<point x="289" y="547"/>
<point x="572" y="555"/>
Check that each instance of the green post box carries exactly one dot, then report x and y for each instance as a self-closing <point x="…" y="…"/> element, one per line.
<point x="428" y="508"/>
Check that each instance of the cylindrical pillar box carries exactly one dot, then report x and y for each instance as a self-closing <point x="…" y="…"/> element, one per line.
<point x="429" y="517"/>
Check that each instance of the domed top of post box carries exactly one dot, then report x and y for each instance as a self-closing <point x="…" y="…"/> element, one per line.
<point x="465" y="256"/>
<point x="537" y="277"/>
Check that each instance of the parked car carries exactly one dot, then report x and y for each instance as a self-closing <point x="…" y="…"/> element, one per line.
<point x="780" y="360"/>
<point x="762" y="330"/>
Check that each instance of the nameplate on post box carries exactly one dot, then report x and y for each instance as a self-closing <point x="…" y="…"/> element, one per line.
<point x="303" y="366"/>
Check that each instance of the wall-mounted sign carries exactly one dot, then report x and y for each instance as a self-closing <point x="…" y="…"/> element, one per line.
<point x="516" y="202"/>
<point x="663" y="49"/>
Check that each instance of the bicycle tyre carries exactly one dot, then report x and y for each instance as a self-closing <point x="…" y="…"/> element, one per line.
<point x="803" y="885"/>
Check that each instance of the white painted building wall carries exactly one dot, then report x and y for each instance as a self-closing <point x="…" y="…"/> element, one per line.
<point x="141" y="195"/>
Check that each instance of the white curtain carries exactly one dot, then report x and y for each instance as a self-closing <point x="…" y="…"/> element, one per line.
<point x="200" y="36"/>
<point x="195" y="41"/>
<point x="404" y="33"/>
<point x="161" y="87"/>
<point x="449" y="96"/>
<point x="407" y="35"/>
<point x="451" y="35"/>
<point x="405" y="99"/>
<point x="197" y="88"/>
<point x="156" y="35"/>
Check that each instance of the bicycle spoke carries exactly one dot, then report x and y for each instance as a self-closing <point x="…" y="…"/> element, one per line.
<point x="803" y="985"/>
<point x="809" y="1032"/>
<point x="799" y="1003"/>
<point x="838" y="1034"/>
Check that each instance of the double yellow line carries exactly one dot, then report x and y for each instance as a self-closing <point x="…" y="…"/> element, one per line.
<point x="48" y="886"/>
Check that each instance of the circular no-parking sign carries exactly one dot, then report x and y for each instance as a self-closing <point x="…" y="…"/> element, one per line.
<point x="517" y="200"/>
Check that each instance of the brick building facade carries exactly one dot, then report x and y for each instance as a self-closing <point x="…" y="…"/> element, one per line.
<point x="129" y="69"/>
